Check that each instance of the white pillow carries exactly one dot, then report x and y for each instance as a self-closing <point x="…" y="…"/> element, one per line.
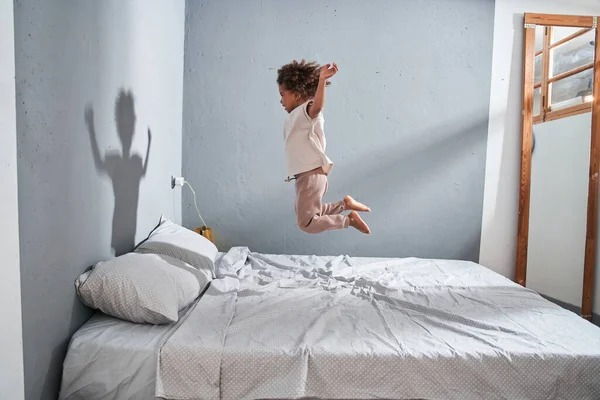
<point x="183" y="244"/>
<point x="142" y="288"/>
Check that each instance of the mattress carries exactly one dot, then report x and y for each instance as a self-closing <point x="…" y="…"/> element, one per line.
<point x="275" y="326"/>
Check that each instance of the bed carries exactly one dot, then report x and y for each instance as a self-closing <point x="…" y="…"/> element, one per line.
<point x="283" y="327"/>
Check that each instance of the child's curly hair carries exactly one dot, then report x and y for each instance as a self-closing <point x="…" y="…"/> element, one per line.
<point x="301" y="77"/>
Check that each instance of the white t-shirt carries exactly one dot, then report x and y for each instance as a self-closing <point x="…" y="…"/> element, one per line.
<point x="305" y="142"/>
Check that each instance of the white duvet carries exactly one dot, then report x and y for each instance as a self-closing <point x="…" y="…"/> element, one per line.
<point x="277" y="326"/>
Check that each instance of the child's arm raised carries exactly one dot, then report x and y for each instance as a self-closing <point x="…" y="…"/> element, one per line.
<point x="89" y="121"/>
<point x="147" y="153"/>
<point x="317" y="105"/>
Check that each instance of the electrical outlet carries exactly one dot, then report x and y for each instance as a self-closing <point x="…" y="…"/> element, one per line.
<point x="177" y="181"/>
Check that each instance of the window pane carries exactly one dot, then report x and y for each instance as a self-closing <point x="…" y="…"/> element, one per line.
<point x="537" y="76"/>
<point x="572" y="90"/>
<point x="573" y="54"/>
<point x="561" y="32"/>
<point x="537" y="101"/>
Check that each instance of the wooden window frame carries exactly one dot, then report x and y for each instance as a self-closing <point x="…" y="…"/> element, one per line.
<point x="546" y="113"/>
<point x="531" y="21"/>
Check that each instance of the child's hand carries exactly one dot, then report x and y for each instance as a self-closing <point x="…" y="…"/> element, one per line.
<point x="328" y="71"/>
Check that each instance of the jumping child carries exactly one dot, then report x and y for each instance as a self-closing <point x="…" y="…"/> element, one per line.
<point x="302" y="89"/>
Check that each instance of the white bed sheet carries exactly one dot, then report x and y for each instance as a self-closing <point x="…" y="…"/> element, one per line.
<point x="109" y="358"/>
<point x="112" y="359"/>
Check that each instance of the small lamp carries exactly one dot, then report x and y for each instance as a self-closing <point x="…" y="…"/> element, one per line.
<point x="205" y="231"/>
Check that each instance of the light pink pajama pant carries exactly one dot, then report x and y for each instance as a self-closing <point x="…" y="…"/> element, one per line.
<point x="314" y="216"/>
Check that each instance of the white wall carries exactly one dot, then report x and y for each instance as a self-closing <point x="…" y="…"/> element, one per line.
<point x="503" y="161"/>
<point x="11" y="346"/>
<point x="557" y="221"/>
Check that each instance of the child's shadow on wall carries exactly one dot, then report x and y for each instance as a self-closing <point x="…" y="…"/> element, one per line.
<point x="125" y="170"/>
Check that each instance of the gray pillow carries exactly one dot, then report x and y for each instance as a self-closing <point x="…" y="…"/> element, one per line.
<point x="183" y="244"/>
<point x="142" y="288"/>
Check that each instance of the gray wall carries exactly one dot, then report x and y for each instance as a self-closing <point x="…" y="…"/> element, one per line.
<point x="70" y="54"/>
<point x="11" y="346"/>
<point x="406" y="121"/>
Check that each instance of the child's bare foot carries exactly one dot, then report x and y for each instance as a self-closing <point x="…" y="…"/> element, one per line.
<point x="357" y="223"/>
<point x="354" y="205"/>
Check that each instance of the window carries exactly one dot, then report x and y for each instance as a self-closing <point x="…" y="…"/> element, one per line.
<point x="563" y="72"/>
